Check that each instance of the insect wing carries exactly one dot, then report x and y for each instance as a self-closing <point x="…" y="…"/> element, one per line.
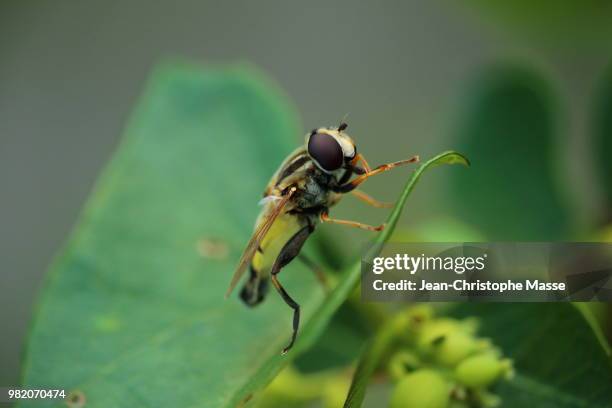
<point x="256" y="239"/>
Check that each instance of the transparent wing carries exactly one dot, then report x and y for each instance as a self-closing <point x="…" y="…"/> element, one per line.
<point x="256" y="239"/>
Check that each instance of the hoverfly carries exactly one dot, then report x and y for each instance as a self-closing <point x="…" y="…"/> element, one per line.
<point x="298" y="197"/>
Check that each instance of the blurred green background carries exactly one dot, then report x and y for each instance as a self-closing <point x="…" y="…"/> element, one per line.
<point x="525" y="92"/>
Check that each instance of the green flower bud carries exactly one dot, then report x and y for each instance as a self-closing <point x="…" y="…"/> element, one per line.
<point x="486" y="399"/>
<point x="412" y="319"/>
<point x="482" y="370"/>
<point x="456" y="346"/>
<point x="421" y="389"/>
<point x="402" y="363"/>
<point x="420" y="314"/>
<point x="434" y="332"/>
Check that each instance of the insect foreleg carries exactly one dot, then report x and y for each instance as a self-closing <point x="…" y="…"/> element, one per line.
<point x="351" y="185"/>
<point x="290" y="250"/>
<point x="359" y="158"/>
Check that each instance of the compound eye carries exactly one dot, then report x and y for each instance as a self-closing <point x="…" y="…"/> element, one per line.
<point x="326" y="151"/>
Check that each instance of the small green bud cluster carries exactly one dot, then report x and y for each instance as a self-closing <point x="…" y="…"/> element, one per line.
<point x="443" y="364"/>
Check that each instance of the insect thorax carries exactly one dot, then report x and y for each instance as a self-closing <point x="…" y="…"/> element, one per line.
<point x="314" y="191"/>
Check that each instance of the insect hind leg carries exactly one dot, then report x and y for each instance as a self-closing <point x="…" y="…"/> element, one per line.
<point x="255" y="289"/>
<point x="287" y="254"/>
<point x="317" y="270"/>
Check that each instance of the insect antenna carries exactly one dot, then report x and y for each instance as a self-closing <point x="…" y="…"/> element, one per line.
<point x="343" y="124"/>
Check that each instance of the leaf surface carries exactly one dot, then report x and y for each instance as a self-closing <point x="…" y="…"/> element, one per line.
<point x="132" y="314"/>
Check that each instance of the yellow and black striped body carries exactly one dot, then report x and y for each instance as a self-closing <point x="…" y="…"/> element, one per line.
<point x="312" y="197"/>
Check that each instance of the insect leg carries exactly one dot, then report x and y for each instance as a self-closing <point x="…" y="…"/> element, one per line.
<point x="370" y="200"/>
<point x="315" y="269"/>
<point x="296" y="311"/>
<point x="325" y="218"/>
<point x="351" y="185"/>
<point x="359" y="158"/>
<point x="290" y="250"/>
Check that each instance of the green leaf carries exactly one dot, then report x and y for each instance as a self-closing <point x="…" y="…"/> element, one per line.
<point x="449" y="157"/>
<point x="131" y="313"/>
<point x="602" y="143"/>
<point x="559" y="361"/>
<point x="369" y="360"/>
<point x="378" y="345"/>
<point x="509" y="132"/>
